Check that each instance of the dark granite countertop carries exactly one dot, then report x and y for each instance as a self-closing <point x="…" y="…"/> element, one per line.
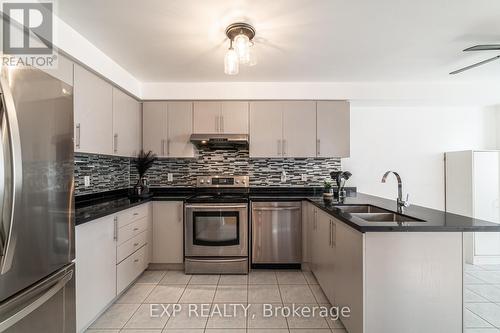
<point x="95" y="206"/>
<point x="433" y="220"/>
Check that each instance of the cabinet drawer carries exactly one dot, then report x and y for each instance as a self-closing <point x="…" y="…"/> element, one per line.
<point x="130" y="215"/>
<point x="129" y="269"/>
<point x="130" y="246"/>
<point x="131" y="230"/>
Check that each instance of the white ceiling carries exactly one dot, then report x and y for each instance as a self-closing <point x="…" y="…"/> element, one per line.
<point x="297" y="40"/>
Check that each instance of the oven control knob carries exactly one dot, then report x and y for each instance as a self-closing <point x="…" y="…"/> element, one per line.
<point x="208" y="181"/>
<point x="202" y="181"/>
<point x="243" y="182"/>
<point x="237" y="181"/>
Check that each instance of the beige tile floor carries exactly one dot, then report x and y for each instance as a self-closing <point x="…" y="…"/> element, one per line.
<point x="482" y="299"/>
<point x="131" y="313"/>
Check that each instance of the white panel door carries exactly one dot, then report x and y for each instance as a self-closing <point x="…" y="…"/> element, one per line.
<point x="154" y="127"/>
<point x="234" y="117"/>
<point x="333" y="129"/>
<point x="95" y="268"/>
<point x="486" y="200"/>
<point x="180" y="128"/>
<point x="168" y="236"/>
<point x="126" y="115"/>
<point x="93" y="110"/>
<point x="299" y="129"/>
<point x="266" y="129"/>
<point x="207" y="117"/>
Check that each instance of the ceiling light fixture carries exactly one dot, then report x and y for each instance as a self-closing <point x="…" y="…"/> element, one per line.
<point x="240" y="47"/>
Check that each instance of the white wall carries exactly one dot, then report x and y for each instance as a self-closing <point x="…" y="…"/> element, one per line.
<point x="411" y="141"/>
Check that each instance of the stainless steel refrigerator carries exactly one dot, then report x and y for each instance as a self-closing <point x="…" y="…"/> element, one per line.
<point x="36" y="203"/>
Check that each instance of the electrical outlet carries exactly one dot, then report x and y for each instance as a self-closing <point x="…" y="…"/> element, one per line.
<point x="304" y="177"/>
<point x="86" y="180"/>
<point x="170" y="177"/>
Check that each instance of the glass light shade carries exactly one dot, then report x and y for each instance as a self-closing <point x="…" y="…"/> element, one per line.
<point x="252" y="56"/>
<point x="231" y="62"/>
<point x="242" y="46"/>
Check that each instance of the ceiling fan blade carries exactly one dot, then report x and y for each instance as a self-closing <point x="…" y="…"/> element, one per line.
<point x="475" y="65"/>
<point x="487" y="47"/>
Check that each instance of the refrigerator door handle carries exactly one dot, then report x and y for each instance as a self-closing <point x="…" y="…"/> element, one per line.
<point x="39" y="301"/>
<point x="7" y="227"/>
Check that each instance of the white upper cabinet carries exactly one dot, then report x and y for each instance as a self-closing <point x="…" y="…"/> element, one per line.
<point x="179" y="129"/>
<point x="299" y="129"/>
<point x="234" y="117"/>
<point x="154" y="129"/>
<point x="221" y="117"/>
<point x="126" y="124"/>
<point x="93" y="113"/>
<point x="207" y="117"/>
<point x="266" y="129"/>
<point x="333" y="129"/>
<point x="167" y="127"/>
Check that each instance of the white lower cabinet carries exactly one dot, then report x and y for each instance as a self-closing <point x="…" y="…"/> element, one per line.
<point x="111" y="252"/>
<point x="130" y="268"/>
<point x="95" y="269"/>
<point x="348" y="273"/>
<point x="168" y="232"/>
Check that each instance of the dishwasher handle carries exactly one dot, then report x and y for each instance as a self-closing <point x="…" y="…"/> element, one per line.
<point x="260" y="209"/>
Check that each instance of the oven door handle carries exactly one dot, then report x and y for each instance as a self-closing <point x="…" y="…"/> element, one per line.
<point x="215" y="207"/>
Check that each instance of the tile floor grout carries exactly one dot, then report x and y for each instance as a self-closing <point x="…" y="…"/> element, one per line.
<point x="276" y="282"/>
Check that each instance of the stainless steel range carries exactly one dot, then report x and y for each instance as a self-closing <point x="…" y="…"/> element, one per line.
<point x="216" y="226"/>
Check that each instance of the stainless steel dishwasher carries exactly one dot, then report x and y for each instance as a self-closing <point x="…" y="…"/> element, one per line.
<point x="276" y="232"/>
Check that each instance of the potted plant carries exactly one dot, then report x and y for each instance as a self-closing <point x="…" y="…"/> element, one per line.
<point x="143" y="163"/>
<point x="327" y="190"/>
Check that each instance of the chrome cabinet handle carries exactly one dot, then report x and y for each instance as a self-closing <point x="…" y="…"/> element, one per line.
<point x="221" y="124"/>
<point x="284" y="147"/>
<point x="168" y="147"/>
<point x="330" y="233"/>
<point x="163" y="147"/>
<point x="318" y="147"/>
<point x="181" y="212"/>
<point x="115" y="142"/>
<point x="334" y="235"/>
<point x="9" y="238"/>
<point x="78" y="126"/>
<point x="115" y="228"/>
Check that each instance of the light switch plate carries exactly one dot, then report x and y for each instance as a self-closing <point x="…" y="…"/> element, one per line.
<point x="170" y="177"/>
<point x="86" y="180"/>
<point x="304" y="177"/>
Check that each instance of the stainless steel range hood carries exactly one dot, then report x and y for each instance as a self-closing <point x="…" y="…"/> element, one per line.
<point x="220" y="141"/>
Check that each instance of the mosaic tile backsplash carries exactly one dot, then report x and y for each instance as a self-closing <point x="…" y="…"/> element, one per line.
<point x="110" y="173"/>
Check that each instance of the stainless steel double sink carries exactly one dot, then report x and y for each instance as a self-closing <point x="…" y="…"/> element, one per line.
<point x="371" y="213"/>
